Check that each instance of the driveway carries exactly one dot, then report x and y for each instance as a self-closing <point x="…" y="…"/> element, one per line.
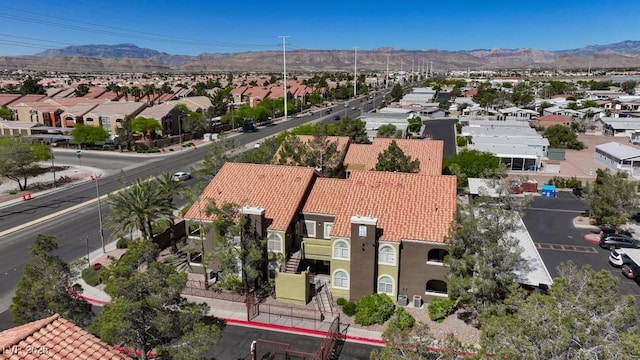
<point x="550" y="223"/>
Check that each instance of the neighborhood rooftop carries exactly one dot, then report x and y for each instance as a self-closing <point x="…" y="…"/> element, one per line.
<point x="428" y="152"/>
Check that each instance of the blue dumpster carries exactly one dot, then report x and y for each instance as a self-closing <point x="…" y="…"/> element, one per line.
<point x="548" y="191"/>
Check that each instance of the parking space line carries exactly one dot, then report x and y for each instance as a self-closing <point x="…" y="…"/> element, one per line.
<point x="568" y="248"/>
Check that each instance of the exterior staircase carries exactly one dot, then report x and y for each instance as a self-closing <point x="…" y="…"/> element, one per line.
<point x="294" y="262"/>
<point x="324" y="300"/>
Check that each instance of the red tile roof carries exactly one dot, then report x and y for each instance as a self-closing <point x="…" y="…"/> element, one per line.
<point x="407" y="206"/>
<point x="54" y="338"/>
<point x="365" y="156"/>
<point x="278" y="189"/>
<point x="6" y="99"/>
<point x="27" y="99"/>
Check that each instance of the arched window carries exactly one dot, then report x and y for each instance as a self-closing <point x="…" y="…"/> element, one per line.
<point x="340" y="279"/>
<point x="274" y="242"/>
<point x="387" y="255"/>
<point x="385" y="284"/>
<point x="437" y="255"/>
<point x="340" y="250"/>
<point x="437" y="286"/>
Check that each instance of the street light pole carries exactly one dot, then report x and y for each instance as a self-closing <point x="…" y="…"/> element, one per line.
<point x="96" y="178"/>
<point x="180" y="129"/>
<point x="53" y="167"/>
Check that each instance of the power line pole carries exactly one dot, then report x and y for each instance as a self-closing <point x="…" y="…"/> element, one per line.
<point x="386" y="83"/>
<point x="284" y="70"/>
<point x="355" y="73"/>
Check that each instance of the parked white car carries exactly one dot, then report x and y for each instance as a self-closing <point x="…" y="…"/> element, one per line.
<point x="181" y="176"/>
<point x="618" y="257"/>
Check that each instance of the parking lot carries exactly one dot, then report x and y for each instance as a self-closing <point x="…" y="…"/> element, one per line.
<point x="550" y="223"/>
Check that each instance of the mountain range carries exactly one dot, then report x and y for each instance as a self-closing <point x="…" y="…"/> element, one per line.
<point x="131" y="58"/>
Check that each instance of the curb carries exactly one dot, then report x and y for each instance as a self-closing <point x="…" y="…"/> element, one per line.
<point x="592" y="238"/>
<point x="254" y="324"/>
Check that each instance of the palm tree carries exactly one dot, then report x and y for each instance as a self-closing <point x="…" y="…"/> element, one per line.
<point x="137" y="207"/>
<point x="148" y="90"/>
<point x="125" y="90"/>
<point x="136" y="93"/>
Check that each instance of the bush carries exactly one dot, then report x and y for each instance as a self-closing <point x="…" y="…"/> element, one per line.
<point x="91" y="276"/>
<point x="463" y="140"/>
<point x="341" y="301"/>
<point x="439" y="309"/>
<point x="564" y="183"/>
<point x="402" y="319"/>
<point x="349" y="308"/>
<point x="122" y="243"/>
<point x="374" y="309"/>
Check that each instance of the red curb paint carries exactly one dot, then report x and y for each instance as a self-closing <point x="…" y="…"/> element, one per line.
<point x="592" y="238"/>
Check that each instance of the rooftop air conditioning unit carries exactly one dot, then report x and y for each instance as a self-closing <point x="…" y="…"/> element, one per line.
<point x="403" y="300"/>
<point x="417" y="301"/>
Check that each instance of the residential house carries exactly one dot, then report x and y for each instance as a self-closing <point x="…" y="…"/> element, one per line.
<point x="75" y="114"/>
<point x="517" y="113"/>
<point x="380" y="232"/>
<point x="39" y="112"/>
<point x="619" y="157"/>
<point x="398" y="118"/>
<point x="54" y="338"/>
<point x="256" y="94"/>
<point x="109" y="115"/>
<point x="239" y="96"/>
<point x="167" y="115"/>
<point x="419" y="96"/>
<point x="365" y="156"/>
<point x="620" y="127"/>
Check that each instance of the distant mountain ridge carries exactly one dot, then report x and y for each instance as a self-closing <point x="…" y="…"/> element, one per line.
<point x="130" y="57"/>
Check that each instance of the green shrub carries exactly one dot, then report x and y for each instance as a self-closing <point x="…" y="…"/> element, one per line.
<point x="564" y="183"/>
<point x="341" y="301"/>
<point x="374" y="309"/>
<point x="439" y="309"/>
<point x="402" y="319"/>
<point x="91" y="276"/>
<point x="463" y="140"/>
<point x="122" y="243"/>
<point x="350" y="308"/>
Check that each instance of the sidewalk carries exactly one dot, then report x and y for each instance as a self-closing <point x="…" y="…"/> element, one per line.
<point x="235" y="312"/>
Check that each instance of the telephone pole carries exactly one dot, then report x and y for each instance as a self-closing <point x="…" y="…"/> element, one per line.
<point x="386" y="84"/>
<point x="284" y="61"/>
<point x="355" y="74"/>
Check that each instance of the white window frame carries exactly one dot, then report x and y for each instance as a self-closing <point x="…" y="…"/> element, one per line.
<point x="362" y="230"/>
<point x="393" y="254"/>
<point x="271" y="241"/>
<point x="346" y="249"/>
<point x="105" y="122"/>
<point x="335" y="283"/>
<point x="327" y="234"/>
<point x="311" y="230"/>
<point x="392" y="283"/>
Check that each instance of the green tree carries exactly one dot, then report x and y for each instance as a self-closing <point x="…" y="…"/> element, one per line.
<point x="487" y="95"/>
<point x="315" y="98"/>
<point x="389" y="131"/>
<point x="471" y="164"/>
<point x="42" y="290"/>
<point x="32" y="86"/>
<point x="629" y="86"/>
<point x="136" y="92"/>
<point x="319" y="152"/>
<point x="522" y="95"/>
<point x="238" y="247"/>
<point x="611" y="197"/>
<point x="89" y="135"/>
<point x="561" y="137"/>
<point x="81" y="90"/>
<point x="583" y="317"/>
<point x="589" y="103"/>
<point x="355" y="129"/>
<point x="137" y="207"/>
<point x="125" y="134"/>
<point x="5" y="113"/>
<point x="263" y="154"/>
<point x="544" y="105"/>
<point x="484" y="256"/>
<point x="393" y="159"/>
<point x="19" y="159"/>
<point x="415" y="124"/>
<point x="145" y="126"/>
<point x="396" y="92"/>
<point x="215" y="156"/>
<point x="148" y="311"/>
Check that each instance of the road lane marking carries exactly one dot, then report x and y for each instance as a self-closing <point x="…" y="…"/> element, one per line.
<point x="569" y="248"/>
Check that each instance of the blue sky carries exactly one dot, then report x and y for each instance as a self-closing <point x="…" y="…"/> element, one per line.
<point x="210" y="26"/>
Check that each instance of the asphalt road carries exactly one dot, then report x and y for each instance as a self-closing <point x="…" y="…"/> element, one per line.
<point x="79" y="227"/>
<point x="550" y="223"/>
<point x="236" y="343"/>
